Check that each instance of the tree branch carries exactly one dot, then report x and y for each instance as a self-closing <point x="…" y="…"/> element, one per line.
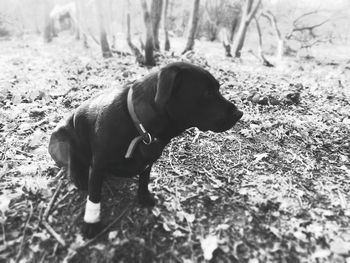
<point x="303" y="15"/>
<point x="252" y="13"/>
<point x="273" y="22"/>
<point x="260" y="50"/>
<point x="310" y="28"/>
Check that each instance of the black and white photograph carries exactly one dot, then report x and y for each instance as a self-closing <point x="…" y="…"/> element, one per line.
<point x="178" y="131"/>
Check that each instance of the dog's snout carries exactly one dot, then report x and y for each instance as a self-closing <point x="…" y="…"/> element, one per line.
<point x="234" y="113"/>
<point x="238" y="114"/>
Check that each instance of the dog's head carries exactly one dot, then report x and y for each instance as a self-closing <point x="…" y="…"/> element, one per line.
<point x="190" y="96"/>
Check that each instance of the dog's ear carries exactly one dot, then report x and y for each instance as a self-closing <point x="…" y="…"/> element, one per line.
<point x="166" y="85"/>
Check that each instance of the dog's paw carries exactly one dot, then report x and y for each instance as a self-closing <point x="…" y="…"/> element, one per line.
<point x="146" y="199"/>
<point x="90" y="230"/>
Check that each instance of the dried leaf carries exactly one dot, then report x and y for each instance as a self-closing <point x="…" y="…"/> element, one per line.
<point x="166" y="227"/>
<point x="209" y="244"/>
<point x="189" y="217"/>
<point x="340" y="246"/>
<point x="4" y="204"/>
<point x="260" y="156"/>
<point x="112" y="235"/>
<point x="321" y="253"/>
<point x="36" y="139"/>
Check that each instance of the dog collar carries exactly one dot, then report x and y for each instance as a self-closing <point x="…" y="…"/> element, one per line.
<point x="144" y="136"/>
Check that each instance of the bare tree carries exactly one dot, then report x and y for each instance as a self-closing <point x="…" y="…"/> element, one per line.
<point x="166" y="24"/>
<point x="48" y="30"/>
<point x="137" y="53"/>
<point x="193" y="26"/>
<point x="156" y="15"/>
<point x="260" y="48"/>
<point x="280" y="40"/>
<point x="224" y="38"/>
<point x="305" y="33"/>
<point x="81" y="21"/>
<point x="248" y="13"/>
<point x="234" y="25"/>
<point x="299" y="25"/>
<point x="301" y="32"/>
<point x="213" y="17"/>
<point x="106" y="51"/>
<point x="149" y="59"/>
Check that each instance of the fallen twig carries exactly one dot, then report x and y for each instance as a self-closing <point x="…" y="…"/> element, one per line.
<point x="24" y="233"/>
<point x="196" y="136"/>
<point x="48" y="208"/>
<point x="60" y="200"/>
<point x="3" y="233"/>
<point x="53" y="233"/>
<point x="60" y="173"/>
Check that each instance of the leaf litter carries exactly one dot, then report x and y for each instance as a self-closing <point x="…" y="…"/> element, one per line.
<point x="273" y="189"/>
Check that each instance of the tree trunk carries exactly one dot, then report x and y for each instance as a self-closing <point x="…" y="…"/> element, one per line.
<point x="138" y="55"/>
<point x="48" y="26"/>
<point x="280" y="40"/>
<point x="223" y="35"/>
<point x="81" y="22"/>
<point x="156" y="15"/>
<point x="248" y="12"/>
<point x="193" y="26"/>
<point x="260" y="50"/>
<point x="106" y="52"/>
<point x="149" y="59"/>
<point x="233" y="27"/>
<point x="165" y="22"/>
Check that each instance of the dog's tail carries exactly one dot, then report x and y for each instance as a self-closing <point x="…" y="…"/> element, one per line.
<point x="69" y="152"/>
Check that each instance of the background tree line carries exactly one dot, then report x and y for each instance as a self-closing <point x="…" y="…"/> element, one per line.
<point x="148" y="26"/>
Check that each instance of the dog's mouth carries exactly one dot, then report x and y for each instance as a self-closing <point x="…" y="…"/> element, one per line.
<point x="219" y="126"/>
<point x="225" y="123"/>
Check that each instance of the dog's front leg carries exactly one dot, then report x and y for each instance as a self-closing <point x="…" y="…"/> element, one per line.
<point x="144" y="196"/>
<point x="92" y="221"/>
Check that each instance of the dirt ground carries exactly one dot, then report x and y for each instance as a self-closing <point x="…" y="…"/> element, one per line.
<point x="275" y="188"/>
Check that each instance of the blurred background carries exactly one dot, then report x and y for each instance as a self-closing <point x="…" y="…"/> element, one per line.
<point x="274" y="28"/>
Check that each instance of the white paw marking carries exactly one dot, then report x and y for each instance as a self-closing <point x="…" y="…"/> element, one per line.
<point x="92" y="212"/>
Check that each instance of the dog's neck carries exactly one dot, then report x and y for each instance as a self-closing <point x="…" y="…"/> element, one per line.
<point x="155" y="121"/>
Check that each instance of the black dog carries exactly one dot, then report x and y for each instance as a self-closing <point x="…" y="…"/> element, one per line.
<point x="123" y="132"/>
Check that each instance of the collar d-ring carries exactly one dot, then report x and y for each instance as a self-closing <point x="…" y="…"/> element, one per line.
<point x="149" y="138"/>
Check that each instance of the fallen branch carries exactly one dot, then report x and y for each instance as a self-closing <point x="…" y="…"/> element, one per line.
<point x="3" y="234"/>
<point x="53" y="233"/>
<point x="60" y="174"/>
<point x="120" y="53"/>
<point x="24" y="233"/>
<point x="60" y="201"/>
<point x="48" y="208"/>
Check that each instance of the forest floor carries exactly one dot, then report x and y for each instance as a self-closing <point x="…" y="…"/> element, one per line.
<point x="275" y="188"/>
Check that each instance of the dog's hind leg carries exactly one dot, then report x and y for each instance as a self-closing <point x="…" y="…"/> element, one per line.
<point x="78" y="168"/>
<point x="67" y="151"/>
